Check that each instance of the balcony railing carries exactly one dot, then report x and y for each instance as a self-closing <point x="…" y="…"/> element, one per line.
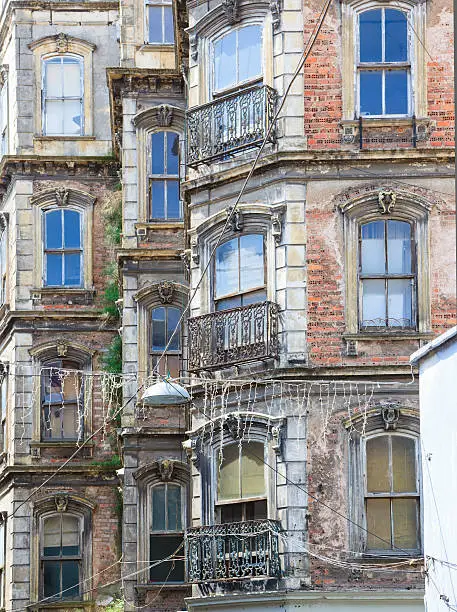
<point x="229" y="124"/>
<point x="233" y="551"/>
<point x="237" y="335"/>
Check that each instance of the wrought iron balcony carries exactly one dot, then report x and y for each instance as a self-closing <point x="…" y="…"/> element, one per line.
<point x="233" y="551"/>
<point x="229" y="124"/>
<point x="237" y="335"/>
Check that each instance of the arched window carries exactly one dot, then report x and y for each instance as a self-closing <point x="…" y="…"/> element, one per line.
<point x="164" y="320"/>
<point x="237" y="58"/>
<point x="63" y="252"/>
<point x="62" y="95"/>
<point x="384" y="64"/>
<point x="392" y="493"/>
<point x="241" y="492"/>
<point x="239" y="272"/>
<point x="387" y="275"/>
<point x="166" y="532"/>
<point x="164" y="176"/>
<point x="61" y="556"/>
<point x="62" y="401"/>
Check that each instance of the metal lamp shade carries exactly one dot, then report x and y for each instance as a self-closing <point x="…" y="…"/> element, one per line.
<point x="165" y="393"/>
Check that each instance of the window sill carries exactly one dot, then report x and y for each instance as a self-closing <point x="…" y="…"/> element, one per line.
<point x="63" y="138"/>
<point x="59" y="448"/>
<point x="62" y="295"/>
<point x="165" y="224"/>
<point x="162" y="585"/>
<point x="383" y="121"/>
<point x="153" y="47"/>
<point x="388" y="335"/>
<point x="61" y="605"/>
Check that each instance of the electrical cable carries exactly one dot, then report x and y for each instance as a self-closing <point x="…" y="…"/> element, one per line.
<point x="308" y="47"/>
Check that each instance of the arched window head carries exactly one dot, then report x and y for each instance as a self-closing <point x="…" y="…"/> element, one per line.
<point x="63" y="93"/>
<point x="164" y="176"/>
<point x="166" y="532"/>
<point x="387" y="275"/>
<point x="392" y="493"/>
<point x="163" y="322"/>
<point x="61" y="556"/>
<point x="62" y="401"/>
<point x="384" y="64"/>
<point x="237" y="58"/>
<point x="63" y="252"/>
<point x="239" y="272"/>
<point x="241" y="492"/>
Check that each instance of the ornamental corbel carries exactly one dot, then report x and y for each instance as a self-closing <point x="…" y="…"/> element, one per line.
<point x="193" y="44"/>
<point x="61" y="195"/>
<point x="386" y="201"/>
<point x="166" y="290"/>
<point x="61" y="43"/>
<point x="230" y="8"/>
<point x="166" y="469"/>
<point x="61" y="502"/>
<point x="276" y="227"/>
<point x="275" y="9"/>
<point x="194" y="248"/>
<point x="276" y="440"/>
<point x="164" y="115"/>
<point x="4" y="68"/>
<point x="3" y="221"/>
<point x="62" y="348"/>
<point x="390" y="415"/>
<point x="190" y="447"/>
<point x="236" y="219"/>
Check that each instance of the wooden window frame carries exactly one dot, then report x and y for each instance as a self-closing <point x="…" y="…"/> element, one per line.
<point x="64" y="251"/>
<point x="159" y="4"/>
<point x="3" y="264"/>
<point x="163" y="177"/>
<point x="386" y="277"/>
<point x="4" y="414"/>
<point x="155" y="354"/>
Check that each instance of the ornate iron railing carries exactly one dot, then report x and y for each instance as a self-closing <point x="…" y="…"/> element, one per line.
<point x="229" y="124"/>
<point x="237" y="335"/>
<point x="233" y="551"/>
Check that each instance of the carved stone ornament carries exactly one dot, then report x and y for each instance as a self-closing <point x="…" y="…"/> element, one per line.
<point x="387" y="200"/>
<point x="349" y="133"/>
<point x="166" y="469"/>
<point x="4" y="68"/>
<point x="276" y="227"/>
<point x="275" y="9"/>
<point x="62" y="196"/>
<point x="164" y="115"/>
<point x="276" y="438"/>
<point x="236" y="221"/>
<point x="195" y="252"/>
<point x="3" y="221"/>
<point x="166" y="291"/>
<point x="230" y="8"/>
<point x="62" y="348"/>
<point x="61" y="502"/>
<point x="61" y="43"/>
<point x="390" y="416"/>
<point x="233" y="425"/>
<point x="193" y="43"/>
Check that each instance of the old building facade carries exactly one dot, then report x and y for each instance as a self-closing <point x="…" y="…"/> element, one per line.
<point x="292" y="477"/>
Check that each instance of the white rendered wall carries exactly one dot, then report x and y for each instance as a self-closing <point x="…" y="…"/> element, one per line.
<point x="438" y="402"/>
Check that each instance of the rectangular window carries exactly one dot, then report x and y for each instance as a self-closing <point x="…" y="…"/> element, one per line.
<point x="61" y="557"/>
<point x="164" y="177"/>
<point x="62" y="401"/>
<point x="166" y="533"/>
<point x="237" y="57"/>
<point x="164" y="321"/>
<point x="63" y="248"/>
<point x="3" y="266"/>
<point x="387" y="275"/>
<point x="62" y="94"/>
<point x="3" y="410"/>
<point x="2" y="560"/>
<point x="392" y="494"/>
<point x="159" y="22"/>
<point x="384" y="66"/>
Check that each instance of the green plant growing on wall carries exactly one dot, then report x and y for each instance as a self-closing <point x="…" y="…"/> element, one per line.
<point x="115" y="606"/>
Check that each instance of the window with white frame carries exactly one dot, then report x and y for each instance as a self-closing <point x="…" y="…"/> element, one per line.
<point x="63" y="96"/>
<point x="239" y="272"/>
<point x="237" y="58"/>
<point x="3" y="264"/>
<point x="166" y="532"/>
<point x="164" y="321"/>
<point x="164" y="177"/>
<point x="392" y="494"/>
<point x="160" y="27"/>
<point x="241" y="487"/>
<point x="61" y="556"/>
<point x="62" y="401"/>
<point x="4" y="118"/>
<point x="387" y="277"/>
<point x="384" y="63"/>
<point x="3" y="411"/>
<point x="63" y="250"/>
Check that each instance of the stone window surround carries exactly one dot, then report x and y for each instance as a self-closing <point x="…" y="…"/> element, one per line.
<point x="51" y="505"/>
<point x="159" y="118"/>
<point x="215" y="24"/>
<point x="408" y="207"/>
<point x="57" y="349"/>
<point x="174" y="8"/>
<point x="416" y="11"/>
<point x="147" y="299"/>
<point x="54" y="199"/>
<point x="360" y="428"/>
<point x="146" y="477"/>
<point x="257" y="219"/>
<point x="205" y="455"/>
<point x="59" y="45"/>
